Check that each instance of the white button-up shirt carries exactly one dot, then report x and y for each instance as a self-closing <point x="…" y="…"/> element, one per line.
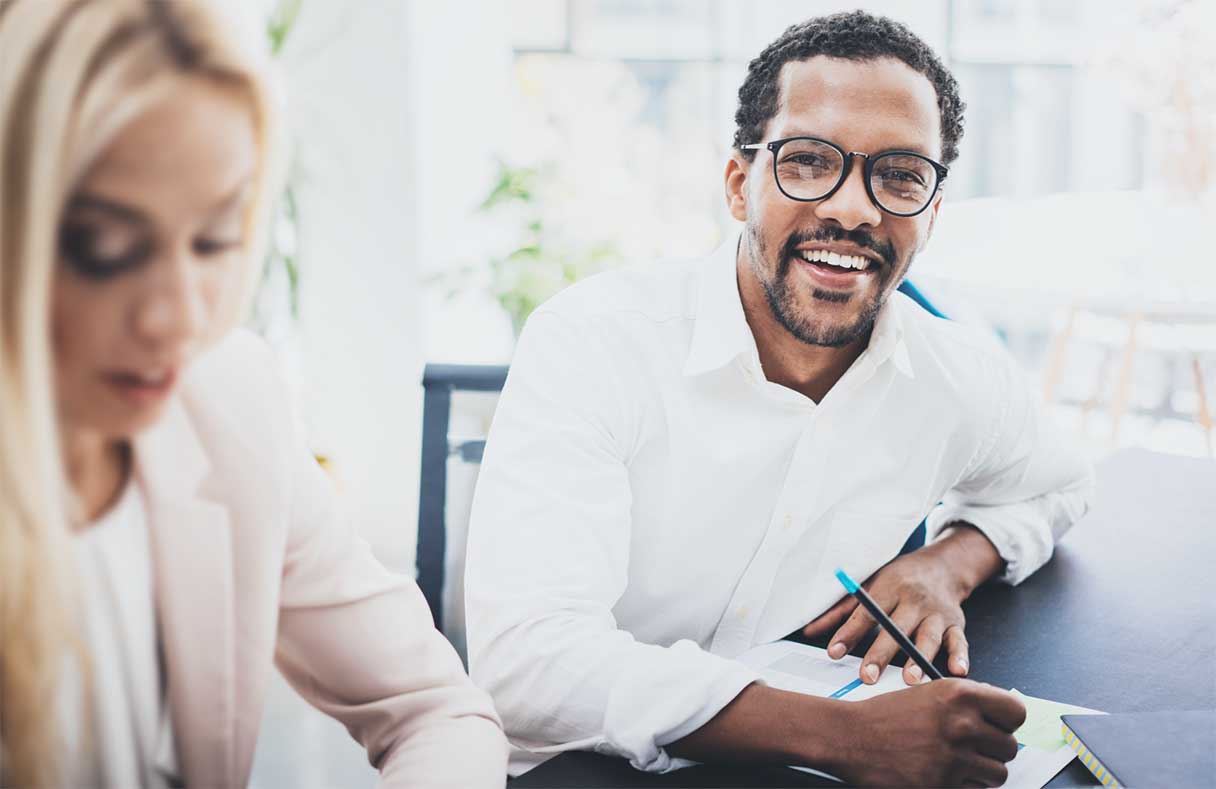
<point x="650" y="506"/>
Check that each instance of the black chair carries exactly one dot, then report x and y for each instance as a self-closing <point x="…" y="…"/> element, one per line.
<point x="439" y="382"/>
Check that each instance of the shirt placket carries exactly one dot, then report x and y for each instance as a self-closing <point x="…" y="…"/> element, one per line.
<point x="803" y="483"/>
<point x="804" y="497"/>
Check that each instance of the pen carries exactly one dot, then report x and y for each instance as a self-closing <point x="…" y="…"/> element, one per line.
<point x="904" y="642"/>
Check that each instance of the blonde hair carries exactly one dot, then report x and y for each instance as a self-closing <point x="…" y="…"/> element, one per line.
<point x="73" y="74"/>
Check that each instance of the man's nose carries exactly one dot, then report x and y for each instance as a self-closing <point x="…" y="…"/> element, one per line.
<point x="850" y="205"/>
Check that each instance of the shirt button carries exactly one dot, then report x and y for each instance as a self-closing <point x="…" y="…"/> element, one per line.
<point x="788" y="522"/>
<point x="742" y="612"/>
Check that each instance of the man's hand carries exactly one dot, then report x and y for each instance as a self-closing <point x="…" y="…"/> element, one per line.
<point x="922" y="592"/>
<point x="952" y="732"/>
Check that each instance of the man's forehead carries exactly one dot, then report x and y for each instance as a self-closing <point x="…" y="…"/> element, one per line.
<point x="863" y="104"/>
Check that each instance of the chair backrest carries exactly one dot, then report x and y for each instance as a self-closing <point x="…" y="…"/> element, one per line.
<point x="439" y="382"/>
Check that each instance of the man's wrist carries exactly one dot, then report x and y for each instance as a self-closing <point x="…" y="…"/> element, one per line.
<point x="766" y="725"/>
<point x="824" y="737"/>
<point x="971" y="553"/>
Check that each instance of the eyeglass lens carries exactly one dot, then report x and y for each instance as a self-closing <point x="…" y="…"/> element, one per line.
<point x="901" y="183"/>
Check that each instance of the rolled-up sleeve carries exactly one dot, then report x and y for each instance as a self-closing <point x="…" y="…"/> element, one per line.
<point x="548" y="558"/>
<point x="1028" y="482"/>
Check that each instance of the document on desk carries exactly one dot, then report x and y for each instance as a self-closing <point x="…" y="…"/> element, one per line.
<point x="1042" y="751"/>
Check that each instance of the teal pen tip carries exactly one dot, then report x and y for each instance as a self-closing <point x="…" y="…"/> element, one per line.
<point x="849" y="585"/>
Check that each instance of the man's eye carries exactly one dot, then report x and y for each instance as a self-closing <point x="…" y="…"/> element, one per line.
<point x="807" y="160"/>
<point x="906" y="177"/>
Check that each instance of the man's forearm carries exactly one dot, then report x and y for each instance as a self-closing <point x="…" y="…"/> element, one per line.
<point x="764" y="725"/>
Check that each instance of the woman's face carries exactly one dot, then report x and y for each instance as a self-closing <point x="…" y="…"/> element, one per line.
<point x="151" y="251"/>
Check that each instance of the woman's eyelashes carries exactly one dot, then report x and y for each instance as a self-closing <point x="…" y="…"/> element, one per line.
<point x="207" y="247"/>
<point x="90" y="251"/>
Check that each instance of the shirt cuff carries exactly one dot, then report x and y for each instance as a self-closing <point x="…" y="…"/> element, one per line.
<point x="1024" y="547"/>
<point x="639" y="732"/>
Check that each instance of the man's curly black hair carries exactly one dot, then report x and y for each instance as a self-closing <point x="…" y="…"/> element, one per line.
<point x="854" y="35"/>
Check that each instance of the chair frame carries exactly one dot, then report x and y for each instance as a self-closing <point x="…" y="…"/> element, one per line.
<point x="438" y="382"/>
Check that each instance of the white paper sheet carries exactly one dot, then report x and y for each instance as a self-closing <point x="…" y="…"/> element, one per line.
<point x="806" y="669"/>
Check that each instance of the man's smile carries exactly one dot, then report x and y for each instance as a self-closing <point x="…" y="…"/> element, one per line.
<point x="831" y="270"/>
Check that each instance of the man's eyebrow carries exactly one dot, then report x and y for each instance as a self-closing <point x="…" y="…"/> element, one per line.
<point x="913" y="147"/>
<point x="120" y="211"/>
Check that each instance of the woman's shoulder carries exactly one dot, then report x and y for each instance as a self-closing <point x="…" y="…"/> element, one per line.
<point x="234" y="392"/>
<point x="238" y="354"/>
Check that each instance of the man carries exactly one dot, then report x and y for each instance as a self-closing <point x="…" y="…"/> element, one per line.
<point x="684" y="453"/>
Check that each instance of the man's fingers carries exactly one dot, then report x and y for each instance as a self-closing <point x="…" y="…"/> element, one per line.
<point x="884" y="648"/>
<point x="928" y="640"/>
<point x="986" y="771"/>
<point x="997" y="744"/>
<point x="959" y="661"/>
<point x="830" y="618"/>
<point x="853" y="630"/>
<point x="1002" y="709"/>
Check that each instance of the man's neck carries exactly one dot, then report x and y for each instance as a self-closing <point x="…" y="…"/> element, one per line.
<point x="811" y="370"/>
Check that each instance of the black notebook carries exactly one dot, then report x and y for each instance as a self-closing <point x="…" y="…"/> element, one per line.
<point x="1174" y="749"/>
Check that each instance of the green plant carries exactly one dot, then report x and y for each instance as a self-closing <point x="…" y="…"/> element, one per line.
<point x="539" y="261"/>
<point x="282" y="19"/>
<point x="281" y="252"/>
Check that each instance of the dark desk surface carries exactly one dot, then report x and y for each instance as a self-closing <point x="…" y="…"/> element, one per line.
<point x="1123" y="619"/>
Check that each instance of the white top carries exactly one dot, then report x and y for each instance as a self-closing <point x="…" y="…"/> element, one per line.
<point x="126" y="739"/>
<point x="650" y="506"/>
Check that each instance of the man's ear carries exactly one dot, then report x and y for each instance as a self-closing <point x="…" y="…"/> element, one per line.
<point x="736" y="185"/>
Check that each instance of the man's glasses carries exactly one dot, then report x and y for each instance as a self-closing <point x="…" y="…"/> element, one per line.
<point x="807" y="169"/>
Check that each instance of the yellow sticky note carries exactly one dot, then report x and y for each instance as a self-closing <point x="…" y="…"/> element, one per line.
<point x="1043" y="728"/>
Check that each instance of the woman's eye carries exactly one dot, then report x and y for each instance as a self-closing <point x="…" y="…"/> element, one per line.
<point x="88" y="250"/>
<point x="208" y="247"/>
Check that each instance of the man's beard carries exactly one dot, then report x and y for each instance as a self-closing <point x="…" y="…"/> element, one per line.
<point x="782" y="300"/>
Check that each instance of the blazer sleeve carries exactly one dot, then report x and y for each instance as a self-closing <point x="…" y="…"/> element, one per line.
<point x="358" y="643"/>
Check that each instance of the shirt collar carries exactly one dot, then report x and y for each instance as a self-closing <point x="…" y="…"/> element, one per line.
<point x="887" y="340"/>
<point x="721" y="334"/>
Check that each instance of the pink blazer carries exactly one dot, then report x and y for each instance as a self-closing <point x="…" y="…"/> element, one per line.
<point x="253" y="566"/>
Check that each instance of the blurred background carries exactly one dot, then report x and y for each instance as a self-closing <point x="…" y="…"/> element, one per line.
<point x="454" y="164"/>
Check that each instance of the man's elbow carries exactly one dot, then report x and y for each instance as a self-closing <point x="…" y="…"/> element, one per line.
<point x="504" y="669"/>
<point x="1075" y="500"/>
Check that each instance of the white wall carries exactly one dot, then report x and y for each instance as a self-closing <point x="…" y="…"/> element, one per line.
<point x="348" y="67"/>
<point x="380" y="91"/>
<point x="462" y="69"/>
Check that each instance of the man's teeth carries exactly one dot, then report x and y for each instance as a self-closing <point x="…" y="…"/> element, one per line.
<point x="834" y="259"/>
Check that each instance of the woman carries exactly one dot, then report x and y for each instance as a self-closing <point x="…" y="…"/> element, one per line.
<point x="163" y="538"/>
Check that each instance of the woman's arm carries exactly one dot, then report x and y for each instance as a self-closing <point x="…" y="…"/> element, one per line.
<point x="359" y="644"/>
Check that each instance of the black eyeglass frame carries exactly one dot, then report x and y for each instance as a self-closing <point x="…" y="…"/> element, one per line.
<point x="847" y="157"/>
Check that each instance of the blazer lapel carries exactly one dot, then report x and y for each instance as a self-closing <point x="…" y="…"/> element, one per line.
<point x="192" y="567"/>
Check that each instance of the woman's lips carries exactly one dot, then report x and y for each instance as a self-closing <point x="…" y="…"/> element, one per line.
<point x="142" y="389"/>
